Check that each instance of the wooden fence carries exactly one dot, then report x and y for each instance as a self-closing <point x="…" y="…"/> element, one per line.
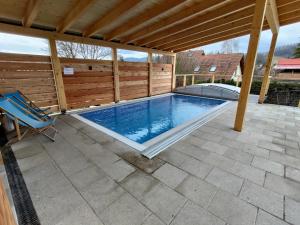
<point x="6" y="214"/>
<point x="32" y="75"/>
<point x="92" y="81"/>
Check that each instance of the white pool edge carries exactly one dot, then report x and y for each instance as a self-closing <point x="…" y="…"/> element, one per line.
<point x="156" y="145"/>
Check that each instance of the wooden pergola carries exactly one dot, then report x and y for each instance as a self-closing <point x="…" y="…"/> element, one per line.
<point x="155" y="27"/>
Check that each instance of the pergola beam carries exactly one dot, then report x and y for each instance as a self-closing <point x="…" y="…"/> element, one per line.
<point x="14" y="29"/>
<point x="138" y="20"/>
<point x="233" y="7"/>
<point x="185" y="13"/>
<point x="272" y="16"/>
<point x="121" y="8"/>
<point x="77" y="10"/>
<point x="257" y="24"/>
<point x="32" y="9"/>
<point x="266" y="79"/>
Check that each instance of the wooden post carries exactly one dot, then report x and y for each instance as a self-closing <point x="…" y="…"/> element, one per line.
<point x="257" y="23"/>
<point x="213" y="78"/>
<point x="193" y="79"/>
<point x="173" y="72"/>
<point x="17" y="128"/>
<point x="116" y="74"/>
<point x="265" y="82"/>
<point x="150" y="73"/>
<point x="58" y="76"/>
<point x="184" y="80"/>
<point x="299" y="104"/>
<point x="6" y="214"/>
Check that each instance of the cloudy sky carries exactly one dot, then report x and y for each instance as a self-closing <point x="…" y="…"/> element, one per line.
<point x="21" y="44"/>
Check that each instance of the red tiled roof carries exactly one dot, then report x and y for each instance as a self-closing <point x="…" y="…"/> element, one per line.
<point x="226" y="63"/>
<point x="288" y="64"/>
<point x="289" y="61"/>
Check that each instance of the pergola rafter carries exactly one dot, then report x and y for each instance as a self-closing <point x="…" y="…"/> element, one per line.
<point x="74" y="14"/>
<point x="188" y="12"/>
<point x="121" y="8"/>
<point x="32" y="9"/>
<point x="228" y="9"/>
<point x="142" y="18"/>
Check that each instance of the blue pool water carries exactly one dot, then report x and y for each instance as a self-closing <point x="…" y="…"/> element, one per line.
<point x="144" y="120"/>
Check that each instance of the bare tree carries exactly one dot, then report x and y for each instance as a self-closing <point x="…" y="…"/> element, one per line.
<point x="79" y="50"/>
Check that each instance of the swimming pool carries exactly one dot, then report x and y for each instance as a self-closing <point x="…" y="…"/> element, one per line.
<point x="151" y="124"/>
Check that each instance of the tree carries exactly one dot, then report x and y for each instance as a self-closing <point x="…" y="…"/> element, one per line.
<point x="230" y="46"/>
<point x="297" y="51"/>
<point x="79" y="50"/>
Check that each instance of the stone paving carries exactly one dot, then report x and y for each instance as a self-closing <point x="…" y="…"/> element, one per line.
<point x="215" y="176"/>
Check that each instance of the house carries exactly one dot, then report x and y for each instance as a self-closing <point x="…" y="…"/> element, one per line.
<point x="287" y="69"/>
<point x="222" y="66"/>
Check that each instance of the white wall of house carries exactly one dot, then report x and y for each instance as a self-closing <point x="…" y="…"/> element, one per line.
<point x="237" y="73"/>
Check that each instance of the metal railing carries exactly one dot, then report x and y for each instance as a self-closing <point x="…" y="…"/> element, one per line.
<point x="193" y="77"/>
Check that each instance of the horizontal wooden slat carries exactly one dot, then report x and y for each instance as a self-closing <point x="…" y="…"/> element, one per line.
<point x="82" y="92"/>
<point x="86" y="80"/>
<point x="133" y="68"/>
<point x="79" y="87"/>
<point x="84" y="61"/>
<point x="13" y="66"/>
<point x="133" y="78"/>
<point x="25" y="74"/>
<point x="133" y="73"/>
<point x="7" y="57"/>
<point x="89" y="103"/>
<point x="90" y="74"/>
<point x="88" y="67"/>
<point x="27" y="82"/>
<point x="132" y="83"/>
<point x="28" y="90"/>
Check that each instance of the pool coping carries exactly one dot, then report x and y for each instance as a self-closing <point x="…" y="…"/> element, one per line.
<point x="157" y="144"/>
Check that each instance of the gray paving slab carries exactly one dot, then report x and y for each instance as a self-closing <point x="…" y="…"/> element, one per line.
<point x="264" y="218"/>
<point x="292" y="173"/>
<point x="225" y="181"/>
<point x="125" y="211"/>
<point x="239" y="155"/>
<point x="164" y="202"/>
<point x="139" y="184"/>
<point x="196" y="167"/>
<point x="283" y="186"/>
<point x="214" y="147"/>
<point x="195" y="215"/>
<point x="173" y="157"/>
<point x="268" y="165"/>
<point x="292" y="209"/>
<point x="232" y="210"/>
<point x="249" y="172"/>
<point x="197" y="190"/>
<point x="170" y="175"/>
<point x="270" y="146"/>
<point x="102" y="193"/>
<point x="263" y="198"/>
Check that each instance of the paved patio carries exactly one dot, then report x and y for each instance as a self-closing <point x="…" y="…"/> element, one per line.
<point x="215" y="176"/>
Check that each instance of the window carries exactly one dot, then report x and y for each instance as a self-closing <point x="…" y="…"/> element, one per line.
<point x="213" y="68"/>
<point x="190" y="54"/>
<point x="197" y="69"/>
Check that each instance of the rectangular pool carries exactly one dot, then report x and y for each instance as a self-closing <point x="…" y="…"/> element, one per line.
<point x="148" y="123"/>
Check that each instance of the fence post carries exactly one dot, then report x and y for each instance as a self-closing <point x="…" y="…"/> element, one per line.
<point x="58" y="76"/>
<point x="116" y="74"/>
<point x="237" y="81"/>
<point x="150" y="73"/>
<point x="213" y="78"/>
<point x="173" y="72"/>
<point x="193" y="79"/>
<point x="184" y="80"/>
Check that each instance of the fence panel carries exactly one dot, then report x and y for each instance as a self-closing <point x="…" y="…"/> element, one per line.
<point x="30" y="74"/>
<point x="162" y="78"/>
<point x="90" y="84"/>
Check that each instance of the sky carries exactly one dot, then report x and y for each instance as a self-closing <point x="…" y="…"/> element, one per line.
<point x="21" y="44"/>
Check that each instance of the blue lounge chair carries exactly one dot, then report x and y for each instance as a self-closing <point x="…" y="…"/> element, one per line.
<point x="24" y="102"/>
<point x="22" y="116"/>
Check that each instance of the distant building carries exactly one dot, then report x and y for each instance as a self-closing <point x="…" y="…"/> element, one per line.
<point x="222" y="66"/>
<point x="287" y="69"/>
